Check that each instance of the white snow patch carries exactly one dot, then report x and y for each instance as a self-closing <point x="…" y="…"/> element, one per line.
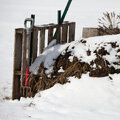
<point x="47" y="58"/>
<point x="85" y="98"/>
<point x="61" y="69"/>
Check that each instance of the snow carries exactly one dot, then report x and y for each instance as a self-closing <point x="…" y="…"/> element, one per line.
<point x="85" y="99"/>
<point x="47" y="58"/>
<point x="61" y="70"/>
<point x="78" y="49"/>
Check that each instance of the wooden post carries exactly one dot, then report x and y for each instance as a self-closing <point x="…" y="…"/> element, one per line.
<point x="64" y="33"/>
<point x="17" y="64"/>
<point x="35" y="44"/>
<point x="42" y="40"/>
<point x="71" y="32"/>
<point x="50" y="34"/>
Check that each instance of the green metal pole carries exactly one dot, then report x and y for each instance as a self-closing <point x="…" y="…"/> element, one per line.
<point x="31" y="41"/>
<point x="59" y="16"/>
<point x="65" y="11"/>
<point x="61" y="19"/>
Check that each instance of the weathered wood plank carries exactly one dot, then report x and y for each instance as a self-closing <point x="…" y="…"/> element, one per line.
<point x="90" y="32"/>
<point x="19" y="30"/>
<point x="46" y="26"/>
<point x="50" y="34"/>
<point x="35" y="44"/>
<point x="23" y="60"/>
<point x="17" y="65"/>
<point x="18" y="73"/>
<point x="58" y="34"/>
<point x="42" y="40"/>
<point x="71" y="32"/>
<point x="64" y="33"/>
<point x="27" y="50"/>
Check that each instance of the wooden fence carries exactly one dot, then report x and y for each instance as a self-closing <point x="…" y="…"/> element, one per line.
<point x="64" y="33"/>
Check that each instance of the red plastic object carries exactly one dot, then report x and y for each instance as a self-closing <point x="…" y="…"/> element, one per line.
<point x="27" y="76"/>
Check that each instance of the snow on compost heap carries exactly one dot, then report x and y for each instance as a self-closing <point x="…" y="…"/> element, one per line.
<point x="110" y="43"/>
<point x="99" y="56"/>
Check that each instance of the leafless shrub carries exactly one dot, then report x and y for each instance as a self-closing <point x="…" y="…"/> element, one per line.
<point x="109" y="24"/>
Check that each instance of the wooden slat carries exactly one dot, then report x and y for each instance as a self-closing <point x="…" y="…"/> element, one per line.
<point x="71" y="32"/>
<point x="17" y="65"/>
<point x="64" y="33"/>
<point x="18" y="73"/>
<point x="58" y="34"/>
<point x="50" y="34"/>
<point x="42" y="40"/>
<point x="28" y="49"/>
<point x="23" y="61"/>
<point x="35" y="44"/>
<point x="46" y="26"/>
<point x="20" y="30"/>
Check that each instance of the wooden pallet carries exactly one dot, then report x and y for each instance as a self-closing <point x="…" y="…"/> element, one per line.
<point x="65" y="33"/>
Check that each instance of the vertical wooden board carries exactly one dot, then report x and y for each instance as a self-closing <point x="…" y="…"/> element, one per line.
<point x="64" y="33"/>
<point x="58" y="34"/>
<point x="50" y="34"/>
<point x="71" y="32"/>
<point x="17" y="65"/>
<point x="42" y="40"/>
<point x="35" y="44"/>
<point x="23" y="60"/>
<point x="16" y="87"/>
<point x="27" y="50"/>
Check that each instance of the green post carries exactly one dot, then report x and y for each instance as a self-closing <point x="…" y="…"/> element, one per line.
<point x="59" y="16"/>
<point x="66" y="10"/>
<point x="58" y="20"/>
<point x="31" y="41"/>
<point x="61" y="19"/>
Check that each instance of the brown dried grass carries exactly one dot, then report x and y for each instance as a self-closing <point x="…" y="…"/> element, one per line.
<point x="109" y="24"/>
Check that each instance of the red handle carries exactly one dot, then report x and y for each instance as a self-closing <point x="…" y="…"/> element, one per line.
<point x="27" y="76"/>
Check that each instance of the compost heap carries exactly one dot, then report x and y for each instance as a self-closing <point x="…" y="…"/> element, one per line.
<point x="98" y="56"/>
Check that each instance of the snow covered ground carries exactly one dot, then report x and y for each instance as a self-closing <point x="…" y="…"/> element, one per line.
<point x="87" y="98"/>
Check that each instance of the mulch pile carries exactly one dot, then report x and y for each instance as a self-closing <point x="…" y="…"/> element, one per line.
<point x="75" y="68"/>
